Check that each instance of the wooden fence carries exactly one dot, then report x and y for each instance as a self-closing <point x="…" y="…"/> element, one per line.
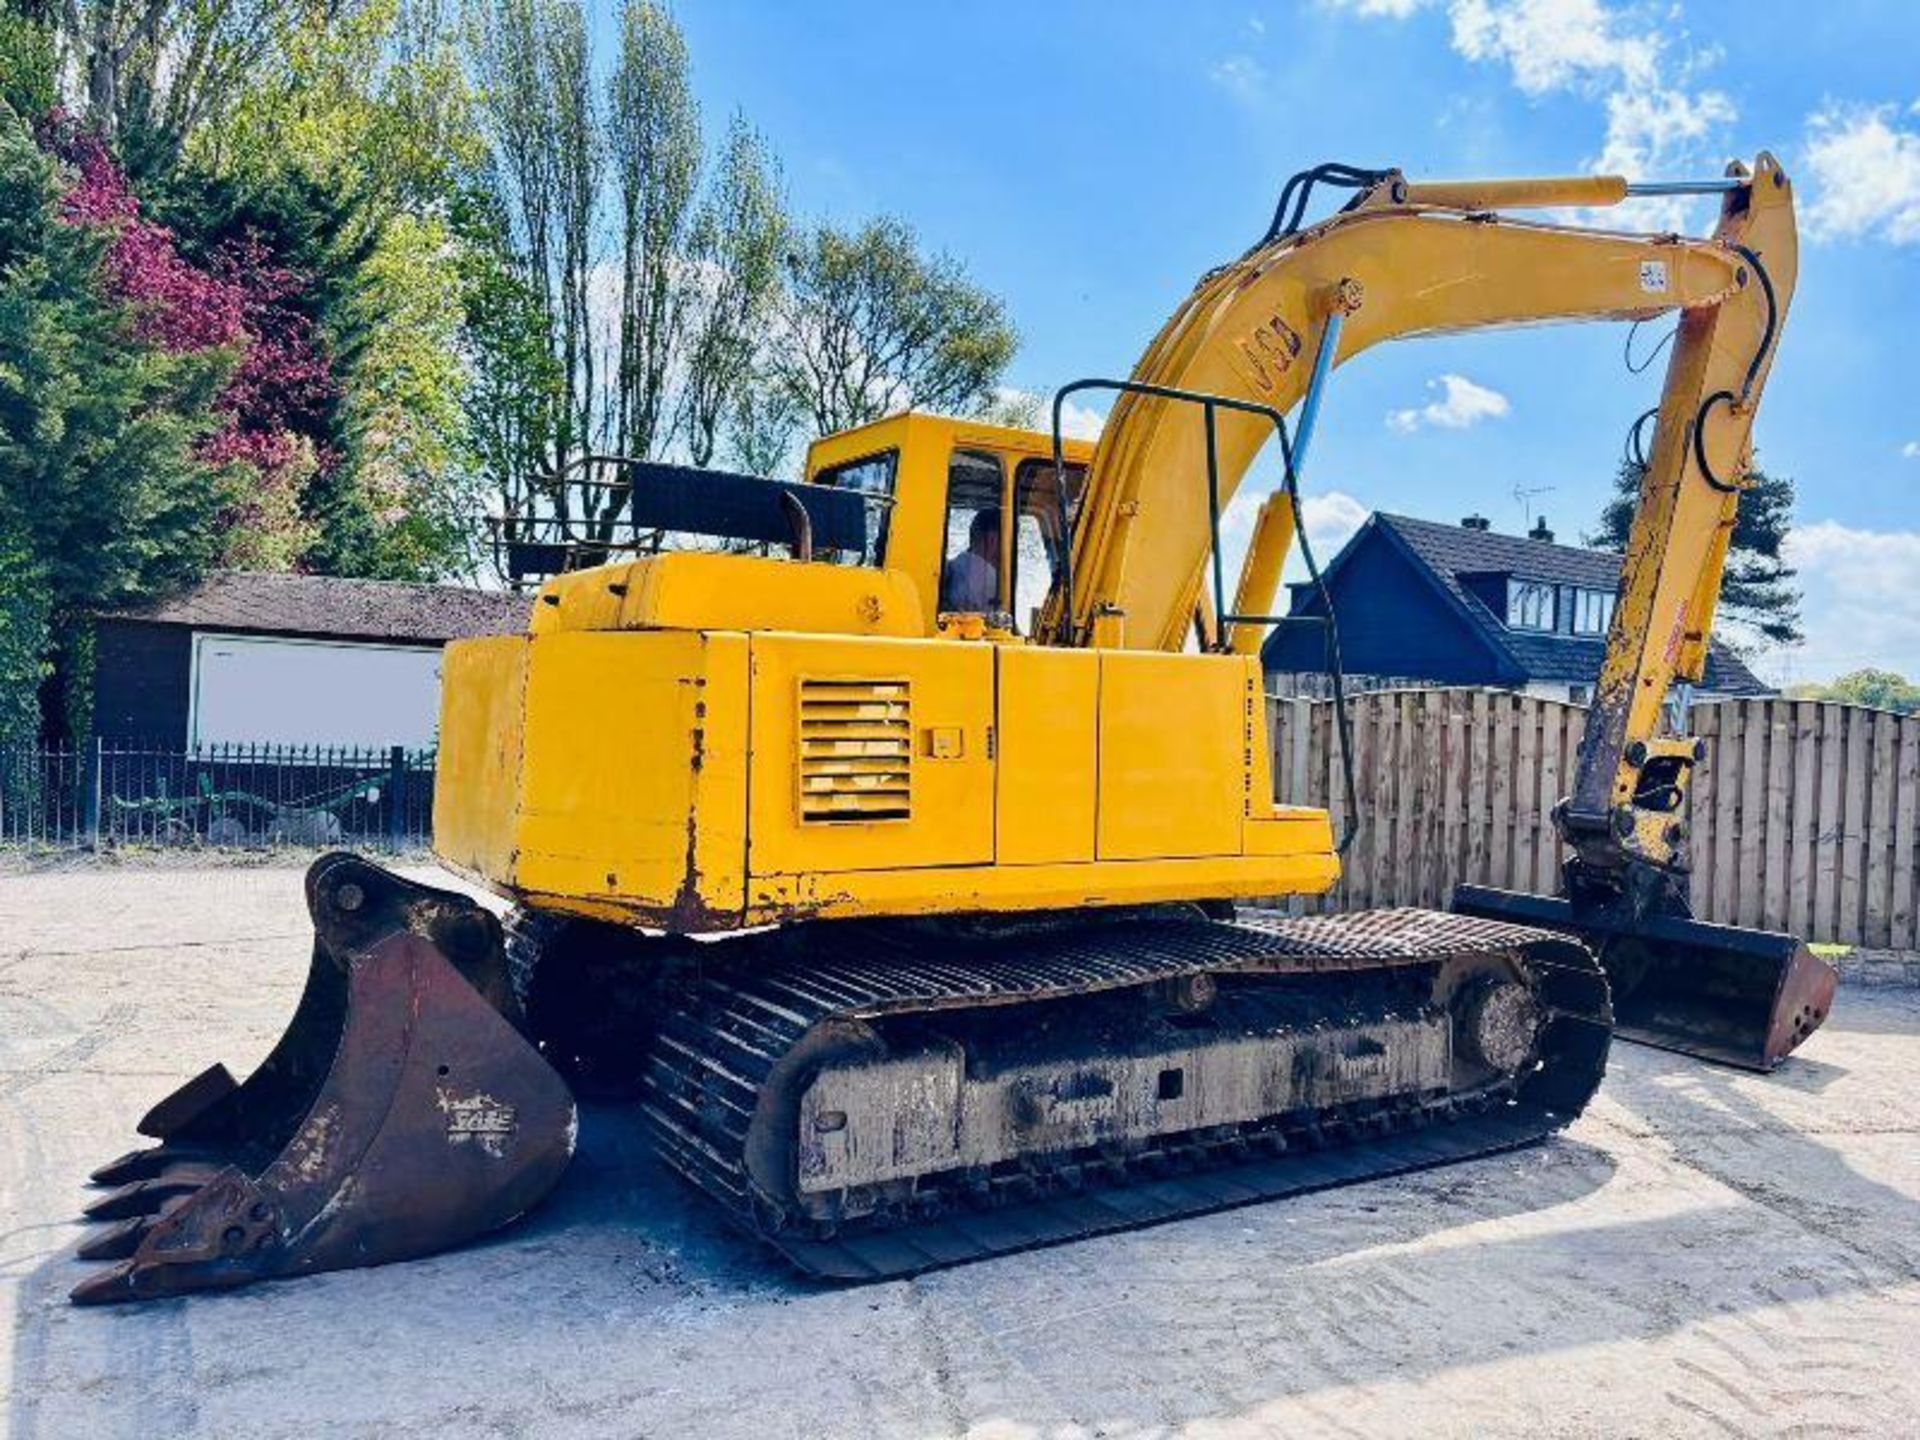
<point x="1804" y="818"/>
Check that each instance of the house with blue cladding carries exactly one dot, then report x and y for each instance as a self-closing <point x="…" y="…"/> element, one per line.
<point x="1419" y="602"/>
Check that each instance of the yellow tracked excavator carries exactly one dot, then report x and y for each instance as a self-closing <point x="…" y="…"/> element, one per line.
<point x="887" y="853"/>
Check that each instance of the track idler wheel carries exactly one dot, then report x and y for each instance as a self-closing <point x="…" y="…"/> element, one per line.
<point x="401" y="1112"/>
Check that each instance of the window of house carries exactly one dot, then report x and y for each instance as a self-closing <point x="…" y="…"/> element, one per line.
<point x="970" y="570"/>
<point x="1039" y="542"/>
<point x="1592" y="611"/>
<point x="1529" y="605"/>
<point x="872" y="476"/>
<point x="1580" y="694"/>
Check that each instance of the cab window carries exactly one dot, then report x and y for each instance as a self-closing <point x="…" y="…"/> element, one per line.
<point x="872" y="477"/>
<point x="1040" y="546"/>
<point x="970" y="563"/>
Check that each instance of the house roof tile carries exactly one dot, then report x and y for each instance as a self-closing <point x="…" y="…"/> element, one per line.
<point x="1452" y="551"/>
<point x="327" y="605"/>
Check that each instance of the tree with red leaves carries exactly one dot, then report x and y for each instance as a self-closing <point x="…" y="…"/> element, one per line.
<point x="281" y="390"/>
<point x="105" y="496"/>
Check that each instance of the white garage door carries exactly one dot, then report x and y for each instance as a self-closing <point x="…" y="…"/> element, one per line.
<point x="248" y="690"/>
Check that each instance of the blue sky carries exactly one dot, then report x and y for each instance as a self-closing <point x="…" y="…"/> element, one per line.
<point x="1089" y="161"/>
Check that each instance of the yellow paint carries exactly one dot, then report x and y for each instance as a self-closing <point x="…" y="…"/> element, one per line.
<point x="1048" y="764"/>
<point x="476" y="786"/>
<point x="948" y="686"/>
<point x="1553" y="190"/>
<point x="705" y="741"/>
<point x="634" y="782"/>
<point x="1423" y="271"/>
<point x="1173" y="767"/>
<point x="924" y="444"/>
<point x="1260" y="571"/>
<point x="662" y="777"/>
<point x="707" y="590"/>
<point x="1309" y="868"/>
<point x="1677" y="545"/>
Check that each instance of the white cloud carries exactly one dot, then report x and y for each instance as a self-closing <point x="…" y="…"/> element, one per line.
<point x="1241" y="76"/>
<point x="1910" y="450"/>
<point x="1660" y="131"/>
<point x="1863" y="169"/>
<point x="1554" y="44"/>
<point x="1078" y="422"/>
<point x="1379" y="9"/>
<point x="1461" y="404"/>
<point x="1331" y="520"/>
<point x="1861" y="605"/>
<point x="1033" y="410"/>
<point x="1657" y="124"/>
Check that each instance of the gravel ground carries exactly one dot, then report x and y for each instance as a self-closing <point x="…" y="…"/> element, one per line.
<point x="1704" y="1253"/>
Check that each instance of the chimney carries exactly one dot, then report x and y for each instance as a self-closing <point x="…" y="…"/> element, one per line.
<point x="1476" y="522"/>
<point x="1540" y="531"/>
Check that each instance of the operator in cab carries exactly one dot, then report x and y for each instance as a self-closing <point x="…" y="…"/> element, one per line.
<point x="970" y="581"/>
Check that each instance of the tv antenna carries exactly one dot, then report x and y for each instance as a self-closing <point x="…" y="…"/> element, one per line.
<point x="1524" y="496"/>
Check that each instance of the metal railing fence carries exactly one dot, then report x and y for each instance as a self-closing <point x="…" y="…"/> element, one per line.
<point x="109" y="794"/>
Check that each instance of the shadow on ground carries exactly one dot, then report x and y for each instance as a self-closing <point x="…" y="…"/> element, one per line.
<point x="625" y="1303"/>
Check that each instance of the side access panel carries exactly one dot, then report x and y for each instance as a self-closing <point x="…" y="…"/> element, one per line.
<point x="869" y="755"/>
<point x="634" y="783"/>
<point x="476" y="792"/>
<point x="1047" y="743"/>
<point x="1173" y="755"/>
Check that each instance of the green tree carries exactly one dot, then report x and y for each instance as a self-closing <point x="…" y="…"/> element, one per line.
<point x="370" y="100"/>
<point x="542" y="176"/>
<point x="1881" y="689"/>
<point x="653" y="149"/>
<point x="29" y="65"/>
<point x="736" y="247"/>
<point x="763" y="423"/>
<point x="872" y="325"/>
<point x="402" y="415"/>
<point x="149" y="73"/>
<point x="513" y="393"/>
<point x="1757" y="593"/>
<point x="343" y="158"/>
<point x="102" y="499"/>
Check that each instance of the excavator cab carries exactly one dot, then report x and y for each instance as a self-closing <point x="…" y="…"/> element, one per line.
<point x="938" y="493"/>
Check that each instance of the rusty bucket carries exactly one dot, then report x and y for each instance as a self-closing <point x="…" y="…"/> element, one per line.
<point x="1736" y="996"/>
<point x="401" y="1112"/>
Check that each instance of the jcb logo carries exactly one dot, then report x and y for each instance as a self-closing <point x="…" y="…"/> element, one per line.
<point x="1264" y="356"/>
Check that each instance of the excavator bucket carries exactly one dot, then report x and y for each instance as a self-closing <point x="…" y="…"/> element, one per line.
<point x="1740" y="997"/>
<point x="401" y="1112"/>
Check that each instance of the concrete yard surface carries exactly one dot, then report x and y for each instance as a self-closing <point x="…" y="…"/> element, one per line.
<point x="1704" y="1253"/>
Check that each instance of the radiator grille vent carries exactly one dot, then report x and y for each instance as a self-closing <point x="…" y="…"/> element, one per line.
<point x="856" y="750"/>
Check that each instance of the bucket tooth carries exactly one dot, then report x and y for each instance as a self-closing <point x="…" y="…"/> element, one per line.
<point x="402" y="1111"/>
<point x="116" y="1241"/>
<point x="1740" y="997"/>
<point x="145" y="1197"/>
<point x="192" y="1100"/>
<point x="141" y="1164"/>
